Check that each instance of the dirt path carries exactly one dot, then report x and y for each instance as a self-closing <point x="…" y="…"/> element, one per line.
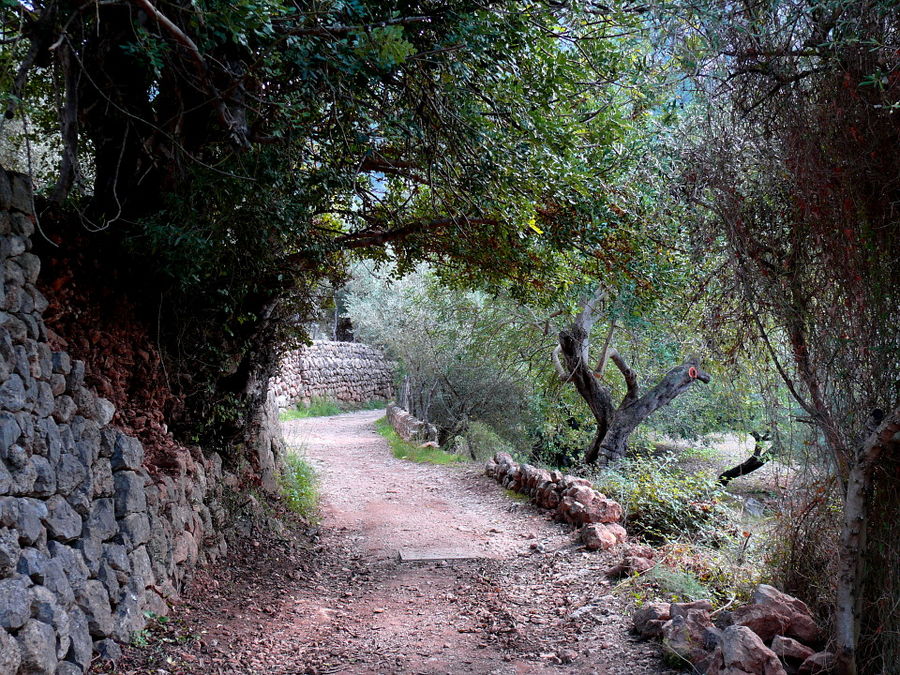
<point x="530" y="602"/>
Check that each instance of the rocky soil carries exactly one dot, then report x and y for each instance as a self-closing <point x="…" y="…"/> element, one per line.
<point x="335" y="598"/>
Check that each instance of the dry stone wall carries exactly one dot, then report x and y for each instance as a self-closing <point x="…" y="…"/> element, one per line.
<point x="89" y="540"/>
<point x="410" y="428"/>
<point x="341" y="371"/>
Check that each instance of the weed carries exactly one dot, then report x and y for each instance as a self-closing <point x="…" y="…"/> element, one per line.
<point x="405" y="450"/>
<point x="299" y="486"/>
<point x="518" y="496"/>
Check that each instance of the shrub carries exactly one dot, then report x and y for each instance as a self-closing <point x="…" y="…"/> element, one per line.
<point x="299" y="486"/>
<point x="484" y="442"/>
<point x="663" y="502"/>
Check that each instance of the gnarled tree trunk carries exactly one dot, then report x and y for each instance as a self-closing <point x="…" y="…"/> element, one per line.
<point x="614" y="423"/>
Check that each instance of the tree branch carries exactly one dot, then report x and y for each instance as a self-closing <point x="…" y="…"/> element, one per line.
<point x="557" y="364"/>
<point x="629" y="375"/>
<point x="239" y="133"/>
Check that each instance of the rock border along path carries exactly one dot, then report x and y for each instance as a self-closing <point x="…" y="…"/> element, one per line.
<point x="534" y="602"/>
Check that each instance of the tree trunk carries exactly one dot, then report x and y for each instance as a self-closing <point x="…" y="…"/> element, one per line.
<point x="852" y="542"/>
<point x="614" y="425"/>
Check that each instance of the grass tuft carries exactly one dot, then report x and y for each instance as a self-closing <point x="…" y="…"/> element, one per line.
<point x="322" y="407"/>
<point x="300" y="486"/>
<point x="405" y="450"/>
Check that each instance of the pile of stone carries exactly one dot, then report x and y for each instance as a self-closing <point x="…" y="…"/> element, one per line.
<point x="349" y="372"/>
<point x="774" y="634"/>
<point x="572" y="499"/>
<point x="411" y="429"/>
<point x="89" y="540"/>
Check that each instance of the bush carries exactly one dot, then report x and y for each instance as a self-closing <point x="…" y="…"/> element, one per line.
<point x="484" y="442"/>
<point x="663" y="502"/>
<point x="299" y="486"/>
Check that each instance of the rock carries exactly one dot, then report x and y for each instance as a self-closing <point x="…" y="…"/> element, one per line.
<point x="130" y="496"/>
<point x="820" y="663"/>
<point x="71" y="562"/>
<point x="618" y="531"/>
<point x="55" y="579"/>
<point x="129" y="617"/>
<point x="12" y="394"/>
<point x="108" y="650"/>
<point x="681" y="608"/>
<point x="649" y="619"/>
<point x="598" y="536"/>
<point x="15" y="602"/>
<point x="137" y="528"/>
<point x="9" y="550"/>
<point x="788" y="649"/>
<point x="32" y="563"/>
<point x="24" y="516"/>
<point x="46" y="609"/>
<point x="772" y="613"/>
<point x="101" y="523"/>
<point x="93" y="600"/>
<point x="68" y="668"/>
<point x="603" y="510"/>
<point x="128" y="453"/>
<point x="742" y="652"/>
<point x="45" y="477"/>
<point x="105" y="411"/>
<point x="62" y="521"/>
<point x="10" y="657"/>
<point x="6" y="480"/>
<point x="81" y="647"/>
<point x="70" y="473"/>
<point x="690" y="636"/>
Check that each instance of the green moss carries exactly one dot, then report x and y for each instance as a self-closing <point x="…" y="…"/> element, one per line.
<point x="405" y="450"/>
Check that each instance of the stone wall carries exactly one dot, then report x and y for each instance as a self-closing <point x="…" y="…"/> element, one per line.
<point x="341" y="371"/>
<point x="410" y="428"/>
<point x="89" y="540"/>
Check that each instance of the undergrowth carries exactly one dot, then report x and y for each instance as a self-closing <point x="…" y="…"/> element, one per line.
<point x="323" y="407"/>
<point x="299" y="486"/>
<point x="405" y="450"/>
<point x="663" y="502"/>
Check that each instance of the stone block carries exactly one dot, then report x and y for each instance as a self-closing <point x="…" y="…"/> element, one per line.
<point x="101" y="523"/>
<point x="128" y="453"/>
<point x="81" y="647"/>
<point x="46" y="608"/>
<point x="71" y="561"/>
<point x="130" y="497"/>
<point x="70" y="473"/>
<point x="62" y="521"/>
<point x="45" y="477"/>
<point x="54" y="579"/>
<point x="9" y="551"/>
<point x="6" y="480"/>
<point x="15" y="602"/>
<point x="12" y="394"/>
<point x="136" y="527"/>
<point x="37" y="646"/>
<point x="10" y="657"/>
<point x="94" y="602"/>
<point x="24" y="515"/>
<point x="32" y="563"/>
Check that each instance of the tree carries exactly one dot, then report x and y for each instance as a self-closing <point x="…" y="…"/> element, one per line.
<point x="227" y="157"/>
<point x="614" y="423"/>
<point x="800" y="194"/>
